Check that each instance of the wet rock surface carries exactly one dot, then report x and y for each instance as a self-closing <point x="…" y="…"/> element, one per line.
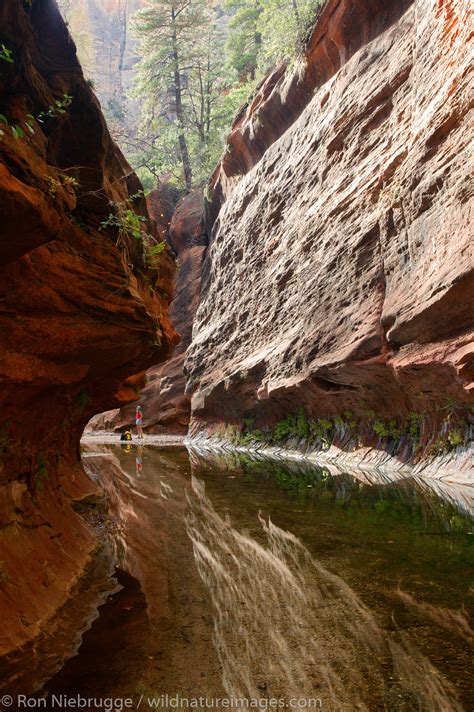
<point x="80" y="311"/>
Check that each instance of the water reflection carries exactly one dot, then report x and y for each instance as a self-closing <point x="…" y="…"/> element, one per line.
<point x="139" y="461"/>
<point x="428" y="500"/>
<point x="285" y="626"/>
<point x="363" y="604"/>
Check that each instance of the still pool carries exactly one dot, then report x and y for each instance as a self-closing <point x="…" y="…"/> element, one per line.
<point x="268" y="580"/>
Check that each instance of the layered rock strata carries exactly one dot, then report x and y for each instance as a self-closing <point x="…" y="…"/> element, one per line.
<point x="339" y="278"/>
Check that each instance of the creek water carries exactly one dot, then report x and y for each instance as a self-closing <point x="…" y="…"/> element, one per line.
<point x="245" y="577"/>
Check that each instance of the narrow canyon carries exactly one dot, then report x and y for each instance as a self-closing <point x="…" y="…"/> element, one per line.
<point x="297" y="331"/>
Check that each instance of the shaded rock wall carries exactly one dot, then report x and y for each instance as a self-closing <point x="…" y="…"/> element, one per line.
<point x="80" y="311"/>
<point x="165" y="403"/>
<point x="340" y="269"/>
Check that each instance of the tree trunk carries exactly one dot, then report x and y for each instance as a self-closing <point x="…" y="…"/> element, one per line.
<point x="183" y="146"/>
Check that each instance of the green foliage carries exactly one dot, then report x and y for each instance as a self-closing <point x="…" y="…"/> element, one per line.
<point x="16" y="129"/>
<point x="126" y="220"/>
<point x="70" y="181"/>
<point x="152" y="251"/>
<point x="456" y="437"/>
<point x="182" y="83"/>
<point x="53" y="111"/>
<point x="56" y="109"/>
<point x="284" y="26"/>
<point x="53" y="186"/>
<point x="17" y="132"/>
<point x="195" y="71"/>
<point x="129" y="223"/>
<point x="29" y="123"/>
<point x="387" y="429"/>
<point x="244" y="41"/>
<point x="302" y="424"/>
<point x="321" y="432"/>
<point x="263" y="33"/>
<point x="284" y="429"/>
<point x="6" y="55"/>
<point x="350" y="419"/>
<point x="412" y="425"/>
<point x="41" y="474"/>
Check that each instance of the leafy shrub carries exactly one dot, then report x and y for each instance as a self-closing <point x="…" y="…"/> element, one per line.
<point x="413" y="425"/>
<point x="302" y="424"/>
<point x="6" y="55"/>
<point x="284" y="428"/>
<point x="455" y="437"/>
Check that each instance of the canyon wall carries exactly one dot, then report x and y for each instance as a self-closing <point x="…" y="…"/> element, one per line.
<point x="82" y="309"/>
<point x="106" y="48"/>
<point x="339" y="278"/>
<point x="166" y="404"/>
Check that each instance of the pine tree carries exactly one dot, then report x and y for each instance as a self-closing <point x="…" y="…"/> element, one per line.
<point x="167" y="30"/>
<point x="244" y="42"/>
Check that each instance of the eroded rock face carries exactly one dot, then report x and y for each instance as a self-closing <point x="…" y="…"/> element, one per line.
<point x="80" y="311"/>
<point x="340" y="269"/>
<point x="165" y="403"/>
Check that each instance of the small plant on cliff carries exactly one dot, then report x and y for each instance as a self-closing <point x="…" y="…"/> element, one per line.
<point x="69" y="181"/>
<point x="53" y="186"/>
<point x="16" y="129"/>
<point x="126" y="221"/>
<point x="153" y="250"/>
<point x="456" y="437"/>
<point x="302" y="424"/>
<point x="41" y="475"/>
<point x="53" y="111"/>
<point x="412" y="425"/>
<point x="6" y="54"/>
<point x="56" y="109"/>
<point x="284" y="428"/>
<point x="129" y="223"/>
<point x="387" y="429"/>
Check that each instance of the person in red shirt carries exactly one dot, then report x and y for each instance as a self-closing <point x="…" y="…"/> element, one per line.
<point x="139" y="421"/>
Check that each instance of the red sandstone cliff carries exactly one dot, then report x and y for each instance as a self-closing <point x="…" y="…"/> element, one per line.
<point x="165" y="403"/>
<point x="80" y="310"/>
<point x="339" y="274"/>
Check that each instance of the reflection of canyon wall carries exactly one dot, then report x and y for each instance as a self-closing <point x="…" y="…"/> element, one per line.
<point x="166" y="406"/>
<point x="77" y="315"/>
<point x="340" y="269"/>
<point x="321" y="641"/>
